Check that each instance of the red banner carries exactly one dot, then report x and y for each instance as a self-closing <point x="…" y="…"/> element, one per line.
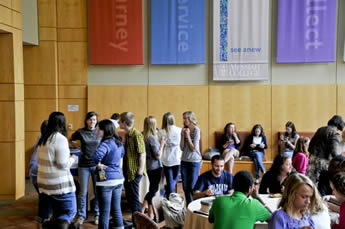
<point x="115" y="32"/>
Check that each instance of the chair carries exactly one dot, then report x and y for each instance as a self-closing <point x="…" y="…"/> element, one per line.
<point x="158" y="210"/>
<point x="142" y="221"/>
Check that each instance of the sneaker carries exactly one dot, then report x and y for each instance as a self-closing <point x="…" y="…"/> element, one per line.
<point x="80" y="220"/>
<point x="257" y="182"/>
<point x="96" y="220"/>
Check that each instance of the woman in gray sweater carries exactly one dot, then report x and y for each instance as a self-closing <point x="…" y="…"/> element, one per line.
<point x="154" y="166"/>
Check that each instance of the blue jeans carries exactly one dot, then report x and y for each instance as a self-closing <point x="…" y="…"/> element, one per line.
<point x="44" y="207"/>
<point x="171" y="175"/>
<point x="257" y="158"/>
<point x="189" y="172"/>
<point x="109" y="198"/>
<point x="288" y="154"/>
<point x="64" y="206"/>
<point x="84" y="174"/>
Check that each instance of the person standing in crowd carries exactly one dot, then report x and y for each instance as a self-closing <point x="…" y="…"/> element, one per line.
<point x="115" y="119"/>
<point x="297" y="202"/>
<point x="154" y="166"/>
<point x="191" y="156"/>
<point x="273" y="181"/>
<point x="171" y="156"/>
<point x="133" y="161"/>
<point x="255" y="145"/>
<point x="88" y="141"/>
<point x="109" y="175"/>
<point x="324" y="146"/>
<point x="336" y="165"/>
<point x="214" y="182"/>
<point x="287" y="140"/>
<point x="300" y="157"/>
<point x="44" y="210"/>
<point x="54" y="178"/>
<point x="238" y="211"/>
<point x="229" y="145"/>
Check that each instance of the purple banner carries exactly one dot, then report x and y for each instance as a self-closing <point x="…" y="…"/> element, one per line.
<point x="306" y="31"/>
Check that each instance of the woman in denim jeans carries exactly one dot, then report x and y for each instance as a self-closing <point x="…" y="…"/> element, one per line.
<point x="89" y="140"/>
<point x="256" y="145"/>
<point x="191" y="156"/>
<point x="171" y="156"/>
<point x="54" y="179"/>
<point x="109" y="175"/>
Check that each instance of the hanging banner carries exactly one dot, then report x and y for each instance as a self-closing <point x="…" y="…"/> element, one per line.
<point x="306" y="31"/>
<point x="177" y="32"/>
<point x="240" y="39"/>
<point x="115" y="32"/>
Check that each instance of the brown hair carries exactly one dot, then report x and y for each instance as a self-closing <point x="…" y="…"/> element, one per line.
<point x="128" y="118"/>
<point x="167" y="122"/>
<point x="338" y="181"/>
<point x="301" y="146"/>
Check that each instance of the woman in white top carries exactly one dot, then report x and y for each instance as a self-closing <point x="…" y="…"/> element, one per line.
<point x="191" y="158"/>
<point x="319" y="214"/>
<point x="55" y="181"/>
<point x="171" y="156"/>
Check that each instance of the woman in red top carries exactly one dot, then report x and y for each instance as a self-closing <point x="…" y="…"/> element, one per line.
<point x="338" y="187"/>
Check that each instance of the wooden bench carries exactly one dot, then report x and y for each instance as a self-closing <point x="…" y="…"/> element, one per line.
<point x="239" y="164"/>
<point x="242" y="134"/>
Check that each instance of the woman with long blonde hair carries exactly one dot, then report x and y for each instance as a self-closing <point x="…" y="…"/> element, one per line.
<point x="153" y="164"/>
<point x="191" y="155"/>
<point x="297" y="202"/>
<point x="171" y="156"/>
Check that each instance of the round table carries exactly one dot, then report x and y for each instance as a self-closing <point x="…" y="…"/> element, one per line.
<point x="199" y="221"/>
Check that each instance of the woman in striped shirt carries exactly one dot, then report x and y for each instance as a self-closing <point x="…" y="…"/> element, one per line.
<point x="55" y="181"/>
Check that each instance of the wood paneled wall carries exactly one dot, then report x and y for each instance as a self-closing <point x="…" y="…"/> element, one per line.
<point x="56" y="70"/>
<point x="243" y="105"/>
<point x="308" y="106"/>
<point x="72" y="60"/>
<point x="11" y="101"/>
<point x="40" y="76"/>
<point x="178" y="99"/>
<point x="106" y="100"/>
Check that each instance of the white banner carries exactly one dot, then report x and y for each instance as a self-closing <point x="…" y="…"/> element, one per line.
<point x="240" y="39"/>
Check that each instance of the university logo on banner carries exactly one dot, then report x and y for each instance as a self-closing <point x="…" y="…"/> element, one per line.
<point x="177" y="32"/>
<point x="240" y="39"/>
<point x="306" y="31"/>
<point x="115" y="32"/>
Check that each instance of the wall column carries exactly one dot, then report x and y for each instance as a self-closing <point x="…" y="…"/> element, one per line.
<point x="12" y="174"/>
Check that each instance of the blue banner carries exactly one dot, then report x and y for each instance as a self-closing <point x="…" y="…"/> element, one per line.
<point x="177" y="31"/>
